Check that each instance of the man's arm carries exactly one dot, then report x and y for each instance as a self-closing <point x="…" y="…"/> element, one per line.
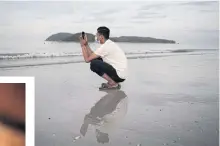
<point x="88" y="57"/>
<point x="89" y="50"/>
<point x="86" y="50"/>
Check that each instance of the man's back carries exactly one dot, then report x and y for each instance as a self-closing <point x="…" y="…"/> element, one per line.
<point x="112" y="54"/>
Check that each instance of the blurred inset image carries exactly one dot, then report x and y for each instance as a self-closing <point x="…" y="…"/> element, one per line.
<point x="12" y="114"/>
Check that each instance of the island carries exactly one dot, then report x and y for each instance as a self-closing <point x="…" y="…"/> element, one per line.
<point x="69" y="37"/>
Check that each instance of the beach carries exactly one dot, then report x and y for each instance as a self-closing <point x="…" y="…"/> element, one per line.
<point x="166" y="100"/>
<point x="169" y="98"/>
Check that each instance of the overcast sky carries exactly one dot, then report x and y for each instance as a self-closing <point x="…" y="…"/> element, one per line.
<point x="171" y="20"/>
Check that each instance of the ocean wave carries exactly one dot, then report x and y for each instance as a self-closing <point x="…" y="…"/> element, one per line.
<point x="182" y="51"/>
<point x="29" y="64"/>
<point x="36" y="55"/>
<point x="15" y="56"/>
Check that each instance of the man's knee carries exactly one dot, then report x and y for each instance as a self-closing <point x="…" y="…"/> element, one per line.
<point x="94" y="65"/>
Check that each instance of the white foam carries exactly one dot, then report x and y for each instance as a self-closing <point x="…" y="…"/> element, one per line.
<point x="38" y="55"/>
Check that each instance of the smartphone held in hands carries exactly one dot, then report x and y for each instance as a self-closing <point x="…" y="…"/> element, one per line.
<point x="83" y="35"/>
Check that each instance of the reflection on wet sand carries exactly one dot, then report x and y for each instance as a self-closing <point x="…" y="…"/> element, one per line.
<point x="105" y="115"/>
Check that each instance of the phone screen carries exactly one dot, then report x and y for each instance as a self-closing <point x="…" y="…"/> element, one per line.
<point x="83" y="35"/>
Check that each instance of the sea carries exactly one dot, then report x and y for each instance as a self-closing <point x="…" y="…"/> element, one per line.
<point x="39" y="53"/>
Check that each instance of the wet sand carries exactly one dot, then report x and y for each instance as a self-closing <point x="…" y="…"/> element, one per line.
<point x="165" y="101"/>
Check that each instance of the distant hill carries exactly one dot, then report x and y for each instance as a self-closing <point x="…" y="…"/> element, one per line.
<point x="135" y="39"/>
<point x="75" y="37"/>
<point x="59" y="36"/>
<point x="68" y="37"/>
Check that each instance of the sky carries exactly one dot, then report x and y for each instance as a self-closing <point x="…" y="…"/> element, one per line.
<point x="180" y="21"/>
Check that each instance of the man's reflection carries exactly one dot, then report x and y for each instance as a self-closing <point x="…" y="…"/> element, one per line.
<point x="105" y="115"/>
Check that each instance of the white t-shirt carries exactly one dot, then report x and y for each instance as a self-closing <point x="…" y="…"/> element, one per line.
<point x="112" y="54"/>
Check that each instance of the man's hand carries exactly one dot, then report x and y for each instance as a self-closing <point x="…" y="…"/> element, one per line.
<point x="87" y="52"/>
<point x="84" y="41"/>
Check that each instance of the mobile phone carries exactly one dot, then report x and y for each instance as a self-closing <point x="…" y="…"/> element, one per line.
<point x="83" y="34"/>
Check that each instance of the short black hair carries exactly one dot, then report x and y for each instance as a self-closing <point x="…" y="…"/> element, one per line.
<point x="104" y="31"/>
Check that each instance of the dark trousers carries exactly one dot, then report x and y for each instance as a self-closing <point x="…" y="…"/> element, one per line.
<point x="100" y="67"/>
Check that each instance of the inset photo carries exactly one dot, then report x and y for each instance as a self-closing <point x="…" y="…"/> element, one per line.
<point x="15" y="128"/>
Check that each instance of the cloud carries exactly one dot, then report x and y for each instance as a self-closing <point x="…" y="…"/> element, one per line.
<point x="140" y="21"/>
<point x="200" y="3"/>
<point x="41" y="19"/>
<point x="147" y="15"/>
<point x="208" y="11"/>
<point x="153" y="7"/>
<point x="106" y="12"/>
